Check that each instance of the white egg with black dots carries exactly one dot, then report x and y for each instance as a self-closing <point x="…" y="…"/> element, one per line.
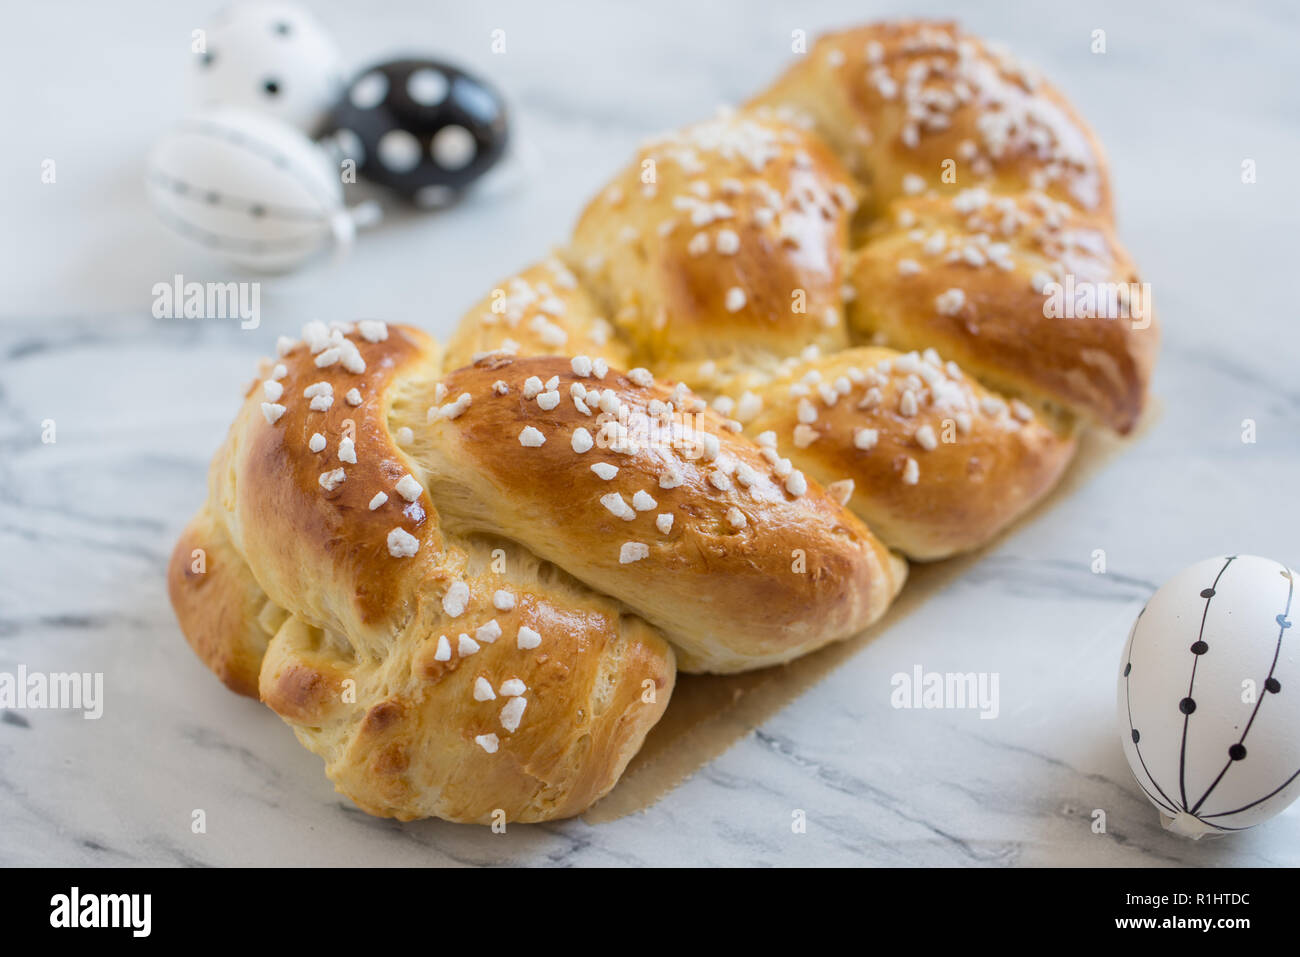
<point x="1209" y="696"/>
<point x="274" y="58"/>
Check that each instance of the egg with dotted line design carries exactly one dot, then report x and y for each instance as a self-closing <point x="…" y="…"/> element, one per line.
<point x="274" y="58"/>
<point x="248" y="189"/>
<point x="424" y="129"/>
<point x="1209" y="696"/>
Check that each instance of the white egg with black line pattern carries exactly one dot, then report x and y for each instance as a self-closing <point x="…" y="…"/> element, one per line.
<point x="1209" y="696"/>
<point x="274" y="58"/>
<point x="251" y="190"/>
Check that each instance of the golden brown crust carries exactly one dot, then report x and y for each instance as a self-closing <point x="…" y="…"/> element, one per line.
<point x="737" y="245"/>
<point x="755" y="568"/>
<point x="408" y="743"/>
<point x="218" y="603"/>
<point x="368" y="663"/>
<point x="266" y="489"/>
<point x="973" y="276"/>
<point x="912" y="98"/>
<point x="541" y="311"/>
<point x="937" y="463"/>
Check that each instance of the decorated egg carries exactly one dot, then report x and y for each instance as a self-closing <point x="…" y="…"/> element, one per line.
<point x="271" y="57"/>
<point x="248" y="188"/>
<point x="1209" y="696"/>
<point x="420" y="127"/>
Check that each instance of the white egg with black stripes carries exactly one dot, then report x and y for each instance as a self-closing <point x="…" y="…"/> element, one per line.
<point x="249" y="189"/>
<point x="1209" y="696"/>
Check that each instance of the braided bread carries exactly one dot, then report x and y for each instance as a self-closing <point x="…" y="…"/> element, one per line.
<point x="467" y="578"/>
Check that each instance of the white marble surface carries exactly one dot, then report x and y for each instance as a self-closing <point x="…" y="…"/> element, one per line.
<point x="1185" y="93"/>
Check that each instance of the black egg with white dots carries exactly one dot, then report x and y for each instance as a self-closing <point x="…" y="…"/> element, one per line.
<point x="425" y="129"/>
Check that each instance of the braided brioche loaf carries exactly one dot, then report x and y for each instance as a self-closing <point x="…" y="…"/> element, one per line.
<point x="466" y="578"/>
